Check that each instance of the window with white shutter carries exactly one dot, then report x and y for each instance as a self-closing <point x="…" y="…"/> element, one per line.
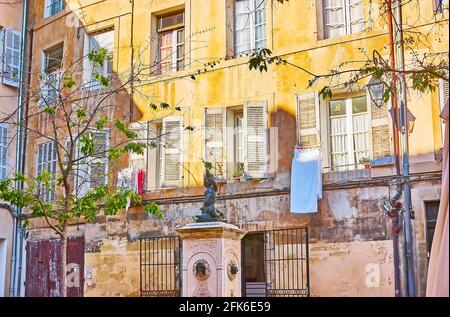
<point x="308" y="132"/>
<point x="172" y="152"/>
<point x="92" y="43"/>
<point x="10" y="56"/>
<point x="3" y="151"/>
<point x="255" y="134"/>
<point x="443" y="98"/>
<point x="47" y="160"/>
<point x="93" y="171"/>
<point x="349" y="133"/>
<point x="250" y="26"/>
<point x="342" y="17"/>
<point x="214" y="141"/>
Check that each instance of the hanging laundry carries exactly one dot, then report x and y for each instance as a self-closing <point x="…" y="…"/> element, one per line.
<point x="306" y="180"/>
<point x="141" y="182"/>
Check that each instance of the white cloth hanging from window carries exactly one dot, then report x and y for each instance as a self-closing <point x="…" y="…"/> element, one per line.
<point x="306" y="181"/>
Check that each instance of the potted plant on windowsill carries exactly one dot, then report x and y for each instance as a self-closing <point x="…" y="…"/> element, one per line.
<point x="240" y="173"/>
<point x="365" y="161"/>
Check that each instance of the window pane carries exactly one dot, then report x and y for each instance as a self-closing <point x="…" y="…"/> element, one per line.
<point x="359" y="104"/>
<point x="337" y="108"/>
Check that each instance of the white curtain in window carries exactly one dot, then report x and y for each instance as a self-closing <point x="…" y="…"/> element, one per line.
<point x="243" y="22"/>
<point x="334" y="16"/>
<point x="356" y="18"/>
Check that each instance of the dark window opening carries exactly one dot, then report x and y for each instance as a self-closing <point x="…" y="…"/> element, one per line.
<point x="431" y="214"/>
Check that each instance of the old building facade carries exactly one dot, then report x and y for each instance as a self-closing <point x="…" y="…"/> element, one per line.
<point x="10" y="61"/>
<point x="247" y="123"/>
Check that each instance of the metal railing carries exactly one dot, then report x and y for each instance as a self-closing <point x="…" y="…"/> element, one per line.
<point x="160" y="273"/>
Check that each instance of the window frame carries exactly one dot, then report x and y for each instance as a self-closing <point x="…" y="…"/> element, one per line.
<point x="54" y="75"/>
<point x="173" y="31"/>
<point x="252" y="28"/>
<point x="351" y="151"/>
<point x="83" y="187"/>
<point x="3" y="47"/>
<point x="43" y="164"/>
<point x="89" y="82"/>
<point x="49" y="4"/>
<point x="347" y="22"/>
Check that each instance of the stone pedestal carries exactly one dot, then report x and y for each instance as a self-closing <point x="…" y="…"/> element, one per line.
<point x="211" y="260"/>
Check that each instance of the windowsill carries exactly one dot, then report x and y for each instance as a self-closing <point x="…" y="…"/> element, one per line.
<point x="348" y="37"/>
<point x="54" y="16"/>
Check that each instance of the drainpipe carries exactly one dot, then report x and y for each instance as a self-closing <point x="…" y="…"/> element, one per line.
<point x="395" y="213"/>
<point x="405" y="157"/>
<point x="16" y="259"/>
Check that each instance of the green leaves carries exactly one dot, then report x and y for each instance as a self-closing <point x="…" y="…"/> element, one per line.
<point x="326" y="92"/>
<point x="101" y="123"/>
<point x="50" y="110"/>
<point x="153" y="209"/>
<point x="122" y="127"/>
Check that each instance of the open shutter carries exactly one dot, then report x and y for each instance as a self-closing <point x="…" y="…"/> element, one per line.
<point x="87" y="65"/>
<point x="11" y="58"/>
<point x="381" y="133"/>
<point x="255" y="134"/>
<point x="3" y="151"/>
<point x="214" y="141"/>
<point x="308" y="120"/>
<point x="172" y="152"/>
<point x="2" y="49"/>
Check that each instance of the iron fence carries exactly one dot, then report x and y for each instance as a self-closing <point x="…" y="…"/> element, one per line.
<point x="160" y="274"/>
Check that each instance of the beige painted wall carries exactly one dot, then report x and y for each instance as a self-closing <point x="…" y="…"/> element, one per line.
<point x="6" y="235"/>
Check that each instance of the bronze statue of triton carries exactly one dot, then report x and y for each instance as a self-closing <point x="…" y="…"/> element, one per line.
<point x="209" y="211"/>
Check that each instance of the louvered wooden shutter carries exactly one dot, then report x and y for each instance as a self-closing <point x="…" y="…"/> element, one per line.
<point x="214" y="141"/>
<point x="2" y="48"/>
<point x="443" y="93"/>
<point x="11" y="57"/>
<point x="172" y="152"/>
<point x="255" y="134"/>
<point x="98" y="168"/>
<point x="308" y="123"/>
<point x="381" y="136"/>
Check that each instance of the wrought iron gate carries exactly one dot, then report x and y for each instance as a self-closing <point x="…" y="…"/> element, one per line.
<point x="287" y="262"/>
<point x="160" y="273"/>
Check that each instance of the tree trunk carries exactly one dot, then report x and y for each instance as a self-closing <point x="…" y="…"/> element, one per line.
<point x="63" y="276"/>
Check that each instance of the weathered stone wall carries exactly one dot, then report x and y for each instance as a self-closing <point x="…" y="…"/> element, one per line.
<point x="350" y="238"/>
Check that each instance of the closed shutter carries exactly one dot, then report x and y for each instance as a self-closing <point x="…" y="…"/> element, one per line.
<point x="3" y="151"/>
<point x="2" y="50"/>
<point x="255" y="134"/>
<point x="98" y="167"/>
<point x="381" y="135"/>
<point x="172" y="152"/>
<point x="308" y="124"/>
<point x="214" y="141"/>
<point x="443" y="93"/>
<point x="93" y="171"/>
<point x="11" y="58"/>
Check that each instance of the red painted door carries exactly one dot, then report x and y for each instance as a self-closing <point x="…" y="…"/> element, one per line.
<point x="43" y="259"/>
